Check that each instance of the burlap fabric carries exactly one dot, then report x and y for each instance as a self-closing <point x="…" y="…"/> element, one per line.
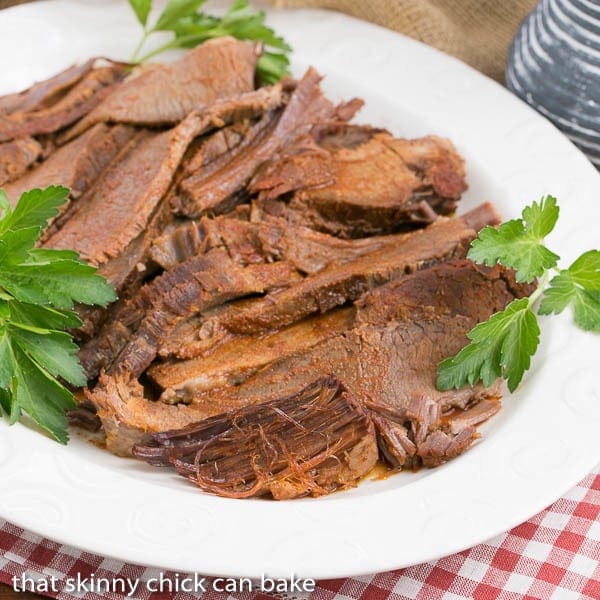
<point x="476" y="31"/>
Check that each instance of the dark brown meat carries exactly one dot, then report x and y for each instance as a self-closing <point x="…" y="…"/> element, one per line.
<point x="308" y="250"/>
<point x="238" y="359"/>
<point x="338" y="271"/>
<point x="365" y="182"/>
<point x="388" y="358"/>
<point x="77" y="165"/>
<point x="45" y="93"/>
<point x="127" y="194"/>
<point x="311" y="443"/>
<point x="213" y="189"/>
<point x="16" y="157"/>
<point x="130" y="342"/>
<point x="80" y="100"/>
<point x="164" y="94"/>
<point x="221" y="142"/>
<point x="402" y="331"/>
<point x="234" y="361"/>
<point x="125" y="273"/>
<point x="198" y="284"/>
<point x="339" y="283"/>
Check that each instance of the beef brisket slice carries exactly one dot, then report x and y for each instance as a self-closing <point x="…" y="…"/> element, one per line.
<point x="389" y="365"/>
<point x="130" y="342"/>
<point x="234" y="361"/>
<point x="338" y="271"/>
<point x="16" y="157"/>
<point x="164" y="94"/>
<point x="212" y="189"/>
<point x="308" y="250"/>
<point x="45" y="93"/>
<point x="354" y="186"/>
<point x="77" y="164"/>
<point x="338" y="283"/>
<point x="313" y="442"/>
<point x="119" y="207"/>
<point x="81" y="99"/>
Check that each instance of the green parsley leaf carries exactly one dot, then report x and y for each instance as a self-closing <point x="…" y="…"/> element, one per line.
<point x="5" y="401"/>
<point x="141" y="8"/>
<point x="6" y="361"/>
<point x="541" y="218"/>
<point x="58" y="283"/>
<point x="42" y="397"/>
<point x="55" y="350"/>
<point x="42" y="316"/>
<point x="174" y="11"/>
<point x="38" y="289"/>
<point x="246" y="23"/>
<point x="191" y="28"/>
<point x="502" y="346"/>
<point x="578" y="285"/>
<point x="585" y="271"/>
<point x="271" y="65"/>
<point x="34" y="209"/>
<point x="518" y="244"/>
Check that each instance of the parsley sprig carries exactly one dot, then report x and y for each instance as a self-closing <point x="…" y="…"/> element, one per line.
<point x="190" y="27"/>
<point x="503" y="345"/>
<point x="38" y="289"/>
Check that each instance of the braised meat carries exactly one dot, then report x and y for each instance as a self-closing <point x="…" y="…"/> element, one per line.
<point x="45" y="93"/>
<point x="16" y="157"/>
<point x="212" y="188"/>
<point x="287" y="280"/>
<point x="312" y="442"/>
<point x="219" y="68"/>
<point x="356" y="182"/>
<point x="87" y="93"/>
<point x="388" y="357"/>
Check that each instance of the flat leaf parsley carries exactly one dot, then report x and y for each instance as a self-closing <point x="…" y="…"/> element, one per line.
<point x="190" y="27"/>
<point x="503" y="345"/>
<point x="38" y="289"/>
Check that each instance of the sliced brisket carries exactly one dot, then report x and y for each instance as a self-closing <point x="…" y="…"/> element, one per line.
<point x="76" y="165"/>
<point x="80" y="100"/>
<point x="235" y="360"/>
<point x="388" y="358"/>
<point x="338" y="271"/>
<point x="45" y="93"/>
<point x="338" y="283"/>
<point x="127" y="194"/>
<point x="310" y="443"/>
<point x="131" y="341"/>
<point x="164" y="94"/>
<point x="358" y="181"/>
<point x="16" y="157"/>
<point x="215" y="189"/>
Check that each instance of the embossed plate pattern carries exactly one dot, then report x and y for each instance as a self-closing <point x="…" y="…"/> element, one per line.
<point x="541" y="444"/>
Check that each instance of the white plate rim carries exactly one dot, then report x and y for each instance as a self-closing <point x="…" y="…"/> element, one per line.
<point x="498" y="484"/>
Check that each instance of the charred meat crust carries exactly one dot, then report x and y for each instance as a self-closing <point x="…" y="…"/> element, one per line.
<point x="310" y="443"/>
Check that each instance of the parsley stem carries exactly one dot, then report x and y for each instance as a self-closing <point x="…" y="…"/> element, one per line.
<point x="539" y="289"/>
<point x="158" y="50"/>
<point x="137" y="49"/>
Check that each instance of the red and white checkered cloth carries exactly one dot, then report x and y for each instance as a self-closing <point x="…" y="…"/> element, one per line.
<point x="553" y="556"/>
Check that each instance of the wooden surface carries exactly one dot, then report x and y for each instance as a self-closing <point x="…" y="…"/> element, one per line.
<point x="7" y="593"/>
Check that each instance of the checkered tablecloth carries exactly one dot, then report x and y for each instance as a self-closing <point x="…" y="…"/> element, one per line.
<point x="553" y="556"/>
